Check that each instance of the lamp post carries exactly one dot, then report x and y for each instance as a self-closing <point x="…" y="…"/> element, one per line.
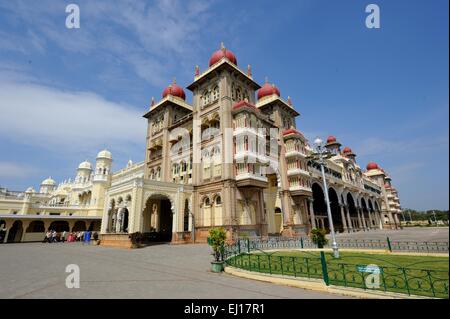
<point x="435" y="220"/>
<point x="321" y="154"/>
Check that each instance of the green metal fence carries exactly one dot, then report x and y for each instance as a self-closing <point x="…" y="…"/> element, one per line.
<point x="300" y="242"/>
<point x="411" y="281"/>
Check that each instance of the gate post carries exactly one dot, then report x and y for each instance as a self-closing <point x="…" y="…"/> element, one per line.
<point x="324" y="268"/>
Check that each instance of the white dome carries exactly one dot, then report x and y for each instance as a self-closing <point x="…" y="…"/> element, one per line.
<point x="30" y="190"/>
<point x="48" y="182"/>
<point x="85" y="165"/>
<point x="104" y="154"/>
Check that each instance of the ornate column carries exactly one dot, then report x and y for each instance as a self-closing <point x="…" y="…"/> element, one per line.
<point x="311" y="213"/>
<point x="344" y="222"/>
<point x="360" y="224"/>
<point x="25" y="225"/>
<point x="363" y="218"/>
<point x="380" y="220"/>
<point x="349" y="220"/>
<point x="8" y="225"/>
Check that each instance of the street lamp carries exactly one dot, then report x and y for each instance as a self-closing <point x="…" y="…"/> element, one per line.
<point x="321" y="154"/>
<point x="435" y="220"/>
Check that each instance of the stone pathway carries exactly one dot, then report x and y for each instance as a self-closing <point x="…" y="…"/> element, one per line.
<point x="36" y="270"/>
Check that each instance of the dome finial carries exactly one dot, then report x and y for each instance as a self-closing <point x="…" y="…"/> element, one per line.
<point x="174" y="80"/>
<point x="222" y="46"/>
<point x="266" y="80"/>
<point x="197" y="70"/>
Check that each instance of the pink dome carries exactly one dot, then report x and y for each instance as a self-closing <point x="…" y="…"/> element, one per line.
<point x="372" y="166"/>
<point x="174" y="90"/>
<point x="219" y="54"/>
<point x="267" y="90"/>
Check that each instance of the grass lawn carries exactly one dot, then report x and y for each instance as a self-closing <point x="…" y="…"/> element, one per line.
<point x="416" y="275"/>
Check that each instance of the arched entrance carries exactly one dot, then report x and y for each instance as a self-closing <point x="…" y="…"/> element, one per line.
<point x="59" y="226"/>
<point x="2" y="231"/>
<point x="15" y="233"/>
<point x="319" y="206"/>
<point x="365" y="213"/>
<point x="335" y="210"/>
<point x="123" y="218"/>
<point x="158" y="218"/>
<point x="79" y="226"/>
<point x="352" y="211"/>
<point x="278" y="219"/>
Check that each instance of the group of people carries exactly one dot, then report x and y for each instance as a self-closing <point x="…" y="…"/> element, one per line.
<point x="52" y="236"/>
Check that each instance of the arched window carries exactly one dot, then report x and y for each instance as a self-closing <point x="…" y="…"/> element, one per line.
<point x="238" y="94"/>
<point x="218" y="200"/>
<point x="215" y="93"/>
<point x="207" y="202"/>
<point x="152" y="174"/>
<point x="158" y="173"/>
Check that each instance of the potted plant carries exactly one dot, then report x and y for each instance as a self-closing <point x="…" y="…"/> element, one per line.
<point x="318" y="237"/>
<point x="216" y="240"/>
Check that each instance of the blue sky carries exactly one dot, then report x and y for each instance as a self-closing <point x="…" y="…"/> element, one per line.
<point x="65" y="93"/>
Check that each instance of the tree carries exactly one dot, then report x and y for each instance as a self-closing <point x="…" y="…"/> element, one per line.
<point x="318" y="236"/>
<point x="217" y="238"/>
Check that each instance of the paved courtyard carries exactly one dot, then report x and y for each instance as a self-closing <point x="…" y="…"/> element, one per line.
<point x="419" y="234"/>
<point x="37" y="270"/>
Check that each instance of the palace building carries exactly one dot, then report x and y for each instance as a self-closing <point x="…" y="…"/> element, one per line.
<point x="233" y="157"/>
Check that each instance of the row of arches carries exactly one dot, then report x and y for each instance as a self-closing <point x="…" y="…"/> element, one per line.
<point x="348" y="211"/>
<point x="16" y="232"/>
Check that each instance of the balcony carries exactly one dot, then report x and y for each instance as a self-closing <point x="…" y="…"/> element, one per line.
<point x="294" y="153"/>
<point x="248" y="131"/>
<point x="297" y="171"/>
<point x="251" y="180"/>
<point x="100" y="178"/>
<point x="299" y="190"/>
<point x="250" y="157"/>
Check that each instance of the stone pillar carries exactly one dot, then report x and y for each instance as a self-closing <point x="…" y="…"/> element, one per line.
<point x="25" y="225"/>
<point x="311" y="213"/>
<point x="8" y="225"/>
<point x="158" y="212"/>
<point x="349" y="220"/>
<point x="380" y="220"/>
<point x="47" y="225"/>
<point x="360" y="224"/>
<point x="363" y="219"/>
<point x="344" y="223"/>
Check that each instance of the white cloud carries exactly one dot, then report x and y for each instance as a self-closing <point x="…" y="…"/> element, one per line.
<point x="73" y="122"/>
<point x="9" y="169"/>
<point x="148" y="36"/>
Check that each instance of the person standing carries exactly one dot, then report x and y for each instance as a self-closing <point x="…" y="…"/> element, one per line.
<point x="63" y="236"/>
<point x="87" y="237"/>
